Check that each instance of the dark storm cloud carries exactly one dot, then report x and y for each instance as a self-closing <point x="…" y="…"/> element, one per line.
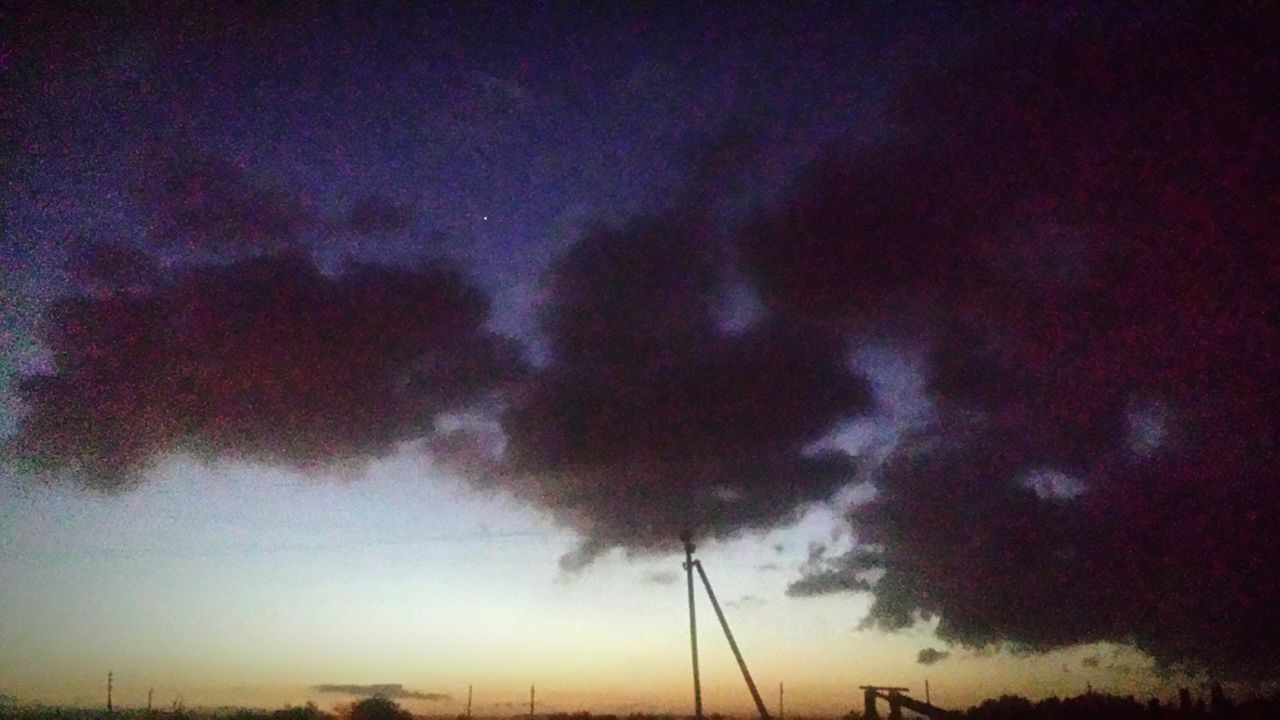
<point x="208" y="204"/>
<point x="649" y="420"/>
<point x="825" y="582"/>
<point x="390" y="691"/>
<point x="823" y="575"/>
<point x="103" y="268"/>
<point x="377" y="215"/>
<point x="1078" y="227"/>
<point x="266" y="359"/>
<point x="931" y="656"/>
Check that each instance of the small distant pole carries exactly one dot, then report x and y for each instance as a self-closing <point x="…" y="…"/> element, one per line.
<point x="781" y="707"/>
<point x="149" y="691"/>
<point x="530" y="702"/>
<point x="926" y="691"/>
<point x="469" y="702"/>
<point x="109" y="679"/>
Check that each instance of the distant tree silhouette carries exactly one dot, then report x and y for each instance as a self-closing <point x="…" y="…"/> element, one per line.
<point x="376" y="708"/>
<point x="1005" y="707"/>
<point x="1088" y="706"/>
<point x="306" y="712"/>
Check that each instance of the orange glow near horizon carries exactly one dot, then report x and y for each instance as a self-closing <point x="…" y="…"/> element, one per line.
<point x="151" y="588"/>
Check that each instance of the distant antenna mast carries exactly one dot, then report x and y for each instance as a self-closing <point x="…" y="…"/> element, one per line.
<point x="109" y="679"/>
<point x="530" y="702"/>
<point x="781" y="712"/>
<point x="149" y="691"/>
<point x="468" y="702"/>
<point x="687" y="538"/>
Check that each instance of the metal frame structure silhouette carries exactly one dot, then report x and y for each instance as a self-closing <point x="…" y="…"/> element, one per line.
<point x="897" y="700"/>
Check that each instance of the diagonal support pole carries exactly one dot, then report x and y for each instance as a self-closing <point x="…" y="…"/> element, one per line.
<point x="742" y="664"/>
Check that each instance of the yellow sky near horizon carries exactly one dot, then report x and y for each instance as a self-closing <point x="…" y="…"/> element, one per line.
<point x="239" y="585"/>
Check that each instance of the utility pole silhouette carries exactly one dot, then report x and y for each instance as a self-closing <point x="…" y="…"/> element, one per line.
<point x="781" y="713"/>
<point x="689" y="566"/>
<point x="687" y="538"/>
<point x="149" y="691"/>
<point x="530" y="702"/>
<point x="109" y="679"/>
<point x="469" y="702"/>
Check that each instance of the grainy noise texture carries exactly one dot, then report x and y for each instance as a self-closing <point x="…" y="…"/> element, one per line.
<point x="1065" y="218"/>
<point x="1096" y="293"/>
<point x="265" y="359"/>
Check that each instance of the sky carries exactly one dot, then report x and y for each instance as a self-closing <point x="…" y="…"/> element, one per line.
<point x="398" y="345"/>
